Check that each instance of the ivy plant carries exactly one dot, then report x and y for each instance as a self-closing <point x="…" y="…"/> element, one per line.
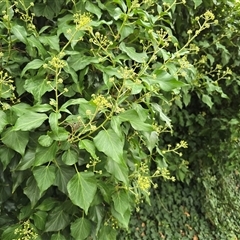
<point x="85" y="92"/>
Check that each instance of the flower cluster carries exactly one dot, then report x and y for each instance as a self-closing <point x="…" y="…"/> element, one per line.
<point x="57" y="62"/>
<point x="25" y="232"/>
<point x="182" y="144"/>
<point x="127" y="73"/>
<point x="6" y="88"/>
<point x="82" y="21"/>
<point x="100" y="40"/>
<point x="101" y="102"/>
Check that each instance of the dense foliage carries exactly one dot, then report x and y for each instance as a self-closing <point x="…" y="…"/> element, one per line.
<point x="99" y="98"/>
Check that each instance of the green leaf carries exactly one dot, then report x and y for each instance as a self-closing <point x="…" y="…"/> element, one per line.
<point x="3" y="121"/>
<point x="29" y="121"/>
<point x="123" y="219"/>
<point x="107" y="233"/>
<point x="152" y="139"/>
<point x="79" y="62"/>
<point x="51" y="41"/>
<point x="45" y="176"/>
<point x="45" y="140"/>
<point x="88" y="145"/>
<point x="70" y="157"/>
<point x="53" y="121"/>
<point x="57" y="236"/>
<point x="81" y="228"/>
<point x="118" y="170"/>
<point x="93" y="8"/>
<point x="37" y="87"/>
<point x="27" y="160"/>
<point x="32" y="191"/>
<point x="135" y="120"/>
<point x="61" y="135"/>
<point x="71" y="102"/>
<point x="197" y="3"/>
<point x="164" y="80"/>
<point x="106" y="190"/>
<point x="121" y="201"/>
<point x="131" y="52"/>
<point x="63" y="176"/>
<point x="108" y="142"/>
<point x="34" y="64"/>
<point x="207" y="99"/>
<point x="15" y="140"/>
<point x="39" y="219"/>
<point x="57" y="220"/>
<point x="45" y="154"/>
<point x="82" y="189"/>
<point x="45" y="10"/>
<point x="20" y="33"/>
<point x="41" y="107"/>
<point x="46" y="205"/>
<point x="126" y="31"/>
<point x="6" y="156"/>
<point x="9" y="232"/>
<point x="33" y="42"/>
<point x="162" y="116"/>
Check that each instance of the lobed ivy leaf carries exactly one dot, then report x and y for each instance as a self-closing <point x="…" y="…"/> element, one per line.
<point x="81" y="228"/>
<point x="82" y="189"/>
